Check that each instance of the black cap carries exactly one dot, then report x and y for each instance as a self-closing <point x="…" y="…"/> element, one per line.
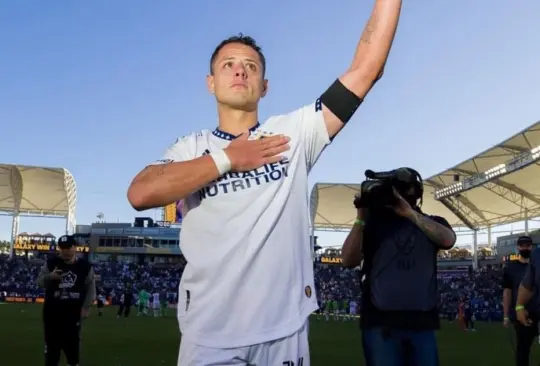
<point x="66" y="241"/>
<point x="525" y="239"/>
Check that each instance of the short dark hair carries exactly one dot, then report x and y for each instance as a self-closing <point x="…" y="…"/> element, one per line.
<point x="245" y="40"/>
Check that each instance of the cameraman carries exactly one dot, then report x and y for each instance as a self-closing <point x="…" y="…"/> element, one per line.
<point x="399" y="246"/>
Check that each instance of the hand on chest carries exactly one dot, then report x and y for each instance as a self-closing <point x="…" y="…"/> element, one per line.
<point x="267" y="177"/>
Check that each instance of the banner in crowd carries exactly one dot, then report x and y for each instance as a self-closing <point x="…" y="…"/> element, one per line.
<point x="32" y="300"/>
<point x="45" y="247"/>
<point x="331" y="260"/>
<point x="20" y="299"/>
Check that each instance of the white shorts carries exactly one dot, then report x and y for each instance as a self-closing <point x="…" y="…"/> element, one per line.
<point x="291" y="350"/>
<point x="157" y="305"/>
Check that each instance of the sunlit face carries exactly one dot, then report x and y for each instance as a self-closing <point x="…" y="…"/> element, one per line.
<point x="237" y="79"/>
<point x="68" y="254"/>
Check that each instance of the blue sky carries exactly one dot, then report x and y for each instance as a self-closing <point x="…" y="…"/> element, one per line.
<point x="102" y="87"/>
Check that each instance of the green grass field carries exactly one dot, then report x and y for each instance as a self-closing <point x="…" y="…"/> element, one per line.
<point x="146" y="341"/>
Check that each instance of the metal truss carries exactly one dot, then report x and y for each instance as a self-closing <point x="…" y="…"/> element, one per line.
<point x="16" y="182"/>
<point x="71" y="196"/>
<point x="475" y="218"/>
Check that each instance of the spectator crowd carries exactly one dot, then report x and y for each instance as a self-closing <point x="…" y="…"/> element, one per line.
<point x="481" y="288"/>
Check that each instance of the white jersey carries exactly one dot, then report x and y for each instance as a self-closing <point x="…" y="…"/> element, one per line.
<point x="246" y="239"/>
<point x="155" y="296"/>
<point x="352" y="307"/>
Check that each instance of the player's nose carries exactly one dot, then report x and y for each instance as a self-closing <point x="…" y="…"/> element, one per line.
<point x="240" y="72"/>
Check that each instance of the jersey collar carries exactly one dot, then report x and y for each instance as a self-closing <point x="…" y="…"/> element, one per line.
<point x="229" y="137"/>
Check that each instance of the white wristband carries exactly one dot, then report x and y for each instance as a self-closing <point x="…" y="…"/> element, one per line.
<point x="222" y="161"/>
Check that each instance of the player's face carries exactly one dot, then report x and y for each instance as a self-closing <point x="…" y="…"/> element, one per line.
<point x="237" y="79"/>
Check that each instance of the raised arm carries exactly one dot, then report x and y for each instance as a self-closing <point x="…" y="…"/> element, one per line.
<point x="370" y="56"/>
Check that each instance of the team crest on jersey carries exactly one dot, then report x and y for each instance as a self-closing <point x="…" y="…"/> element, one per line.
<point x="68" y="280"/>
<point x="307" y="291"/>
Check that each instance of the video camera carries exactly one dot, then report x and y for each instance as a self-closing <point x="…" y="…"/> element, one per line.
<point x="378" y="189"/>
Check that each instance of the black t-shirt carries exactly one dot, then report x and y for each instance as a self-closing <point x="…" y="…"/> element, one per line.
<point x="65" y="297"/>
<point x="407" y="320"/>
<point x="512" y="276"/>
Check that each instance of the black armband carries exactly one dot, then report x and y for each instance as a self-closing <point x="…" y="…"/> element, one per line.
<point x="341" y="101"/>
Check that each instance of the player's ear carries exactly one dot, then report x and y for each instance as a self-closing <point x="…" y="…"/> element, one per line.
<point x="210" y="84"/>
<point x="264" y="88"/>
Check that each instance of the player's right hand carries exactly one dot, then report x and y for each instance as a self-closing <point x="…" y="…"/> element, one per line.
<point x="523" y="317"/>
<point x="247" y="154"/>
<point x="56" y="274"/>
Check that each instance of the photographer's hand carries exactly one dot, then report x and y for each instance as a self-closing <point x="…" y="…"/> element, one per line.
<point x="352" y="249"/>
<point x="402" y="208"/>
<point x="443" y="236"/>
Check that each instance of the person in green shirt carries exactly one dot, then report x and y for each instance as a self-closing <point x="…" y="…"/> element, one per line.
<point x="144" y="296"/>
<point x="327" y="309"/>
<point x="335" y="308"/>
<point x="344" y="308"/>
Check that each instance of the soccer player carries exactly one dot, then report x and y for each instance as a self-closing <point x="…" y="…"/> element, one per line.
<point x="353" y="309"/>
<point x="163" y="301"/>
<point x="156" y="304"/>
<point x="344" y="309"/>
<point x="469" y="316"/>
<point x="101" y="303"/>
<point x="327" y="309"/>
<point x="144" y="297"/>
<point x="335" y="309"/>
<point x="248" y="288"/>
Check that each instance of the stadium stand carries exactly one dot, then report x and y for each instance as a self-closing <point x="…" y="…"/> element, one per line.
<point x="496" y="187"/>
<point x="481" y="287"/>
<point x="39" y="192"/>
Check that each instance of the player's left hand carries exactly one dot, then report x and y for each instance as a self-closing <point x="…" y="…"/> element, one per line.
<point x="402" y="207"/>
<point x="85" y="313"/>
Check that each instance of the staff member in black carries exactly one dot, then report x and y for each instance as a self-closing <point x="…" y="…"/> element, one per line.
<point x="512" y="277"/>
<point x="70" y="289"/>
<point x="126" y="300"/>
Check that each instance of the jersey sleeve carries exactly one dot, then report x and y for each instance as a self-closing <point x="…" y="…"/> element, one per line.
<point x="312" y="131"/>
<point x="183" y="149"/>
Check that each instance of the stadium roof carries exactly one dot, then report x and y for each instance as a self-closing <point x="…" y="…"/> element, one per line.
<point x="510" y="198"/>
<point x="35" y="190"/>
